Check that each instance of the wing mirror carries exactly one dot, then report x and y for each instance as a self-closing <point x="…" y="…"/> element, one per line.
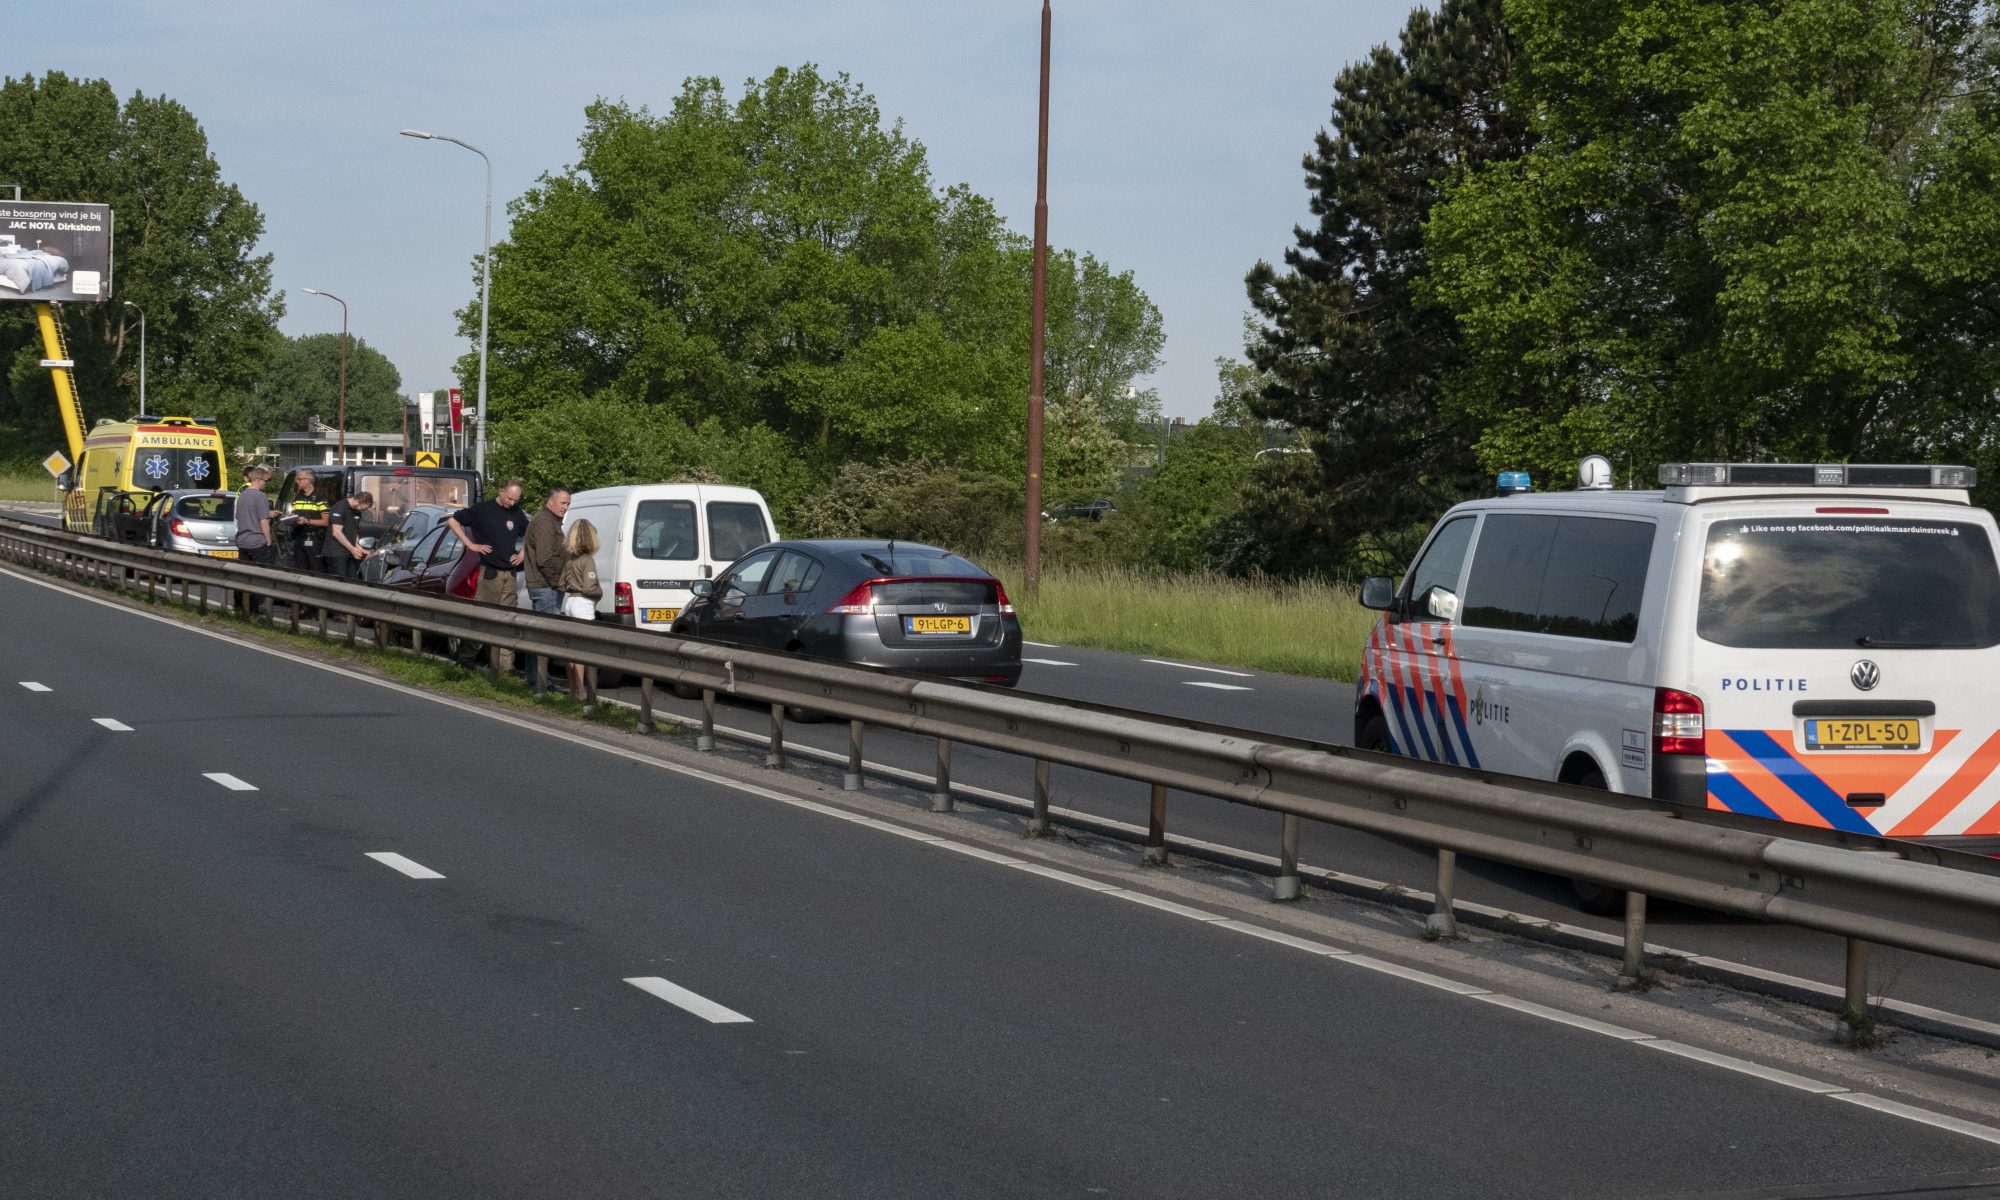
<point x="1378" y="592"/>
<point x="367" y="543"/>
<point x="702" y="588"/>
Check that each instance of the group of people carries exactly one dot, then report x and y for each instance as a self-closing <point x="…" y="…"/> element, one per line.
<point x="560" y="568"/>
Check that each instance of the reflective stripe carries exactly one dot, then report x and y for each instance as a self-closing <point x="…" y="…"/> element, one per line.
<point x="1730" y="795"/>
<point x="1829" y="804"/>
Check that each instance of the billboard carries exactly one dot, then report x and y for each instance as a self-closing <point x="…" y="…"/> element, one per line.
<point x="54" y="250"/>
<point x="457" y="412"/>
<point x="427" y="413"/>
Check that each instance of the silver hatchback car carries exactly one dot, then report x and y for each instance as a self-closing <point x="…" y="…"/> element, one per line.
<point x="195" y="523"/>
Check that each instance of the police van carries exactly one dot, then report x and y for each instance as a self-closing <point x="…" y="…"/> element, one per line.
<point x="1812" y="643"/>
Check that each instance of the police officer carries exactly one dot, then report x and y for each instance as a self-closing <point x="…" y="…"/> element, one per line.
<point x="309" y="520"/>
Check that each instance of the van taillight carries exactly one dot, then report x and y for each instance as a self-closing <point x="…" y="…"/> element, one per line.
<point x="1000" y="597"/>
<point x="1678" y="726"/>
<point x="622" y="599"/>
<point x="858" y="602"/>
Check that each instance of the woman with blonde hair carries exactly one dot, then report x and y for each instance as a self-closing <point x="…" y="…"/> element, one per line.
<point x="580" y="588"/>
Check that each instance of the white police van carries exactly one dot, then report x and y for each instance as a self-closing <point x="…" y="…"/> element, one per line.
<point x="1809" y="643"/>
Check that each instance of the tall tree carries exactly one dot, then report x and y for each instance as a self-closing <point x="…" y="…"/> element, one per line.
<point x="1750" y="229"/>
<point x="1355" y="358"/>
<point x="185" y="253"/>
<point x="303" y="381"/>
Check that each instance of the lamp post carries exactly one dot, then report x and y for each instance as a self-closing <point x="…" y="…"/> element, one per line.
<point x="142" y="352"/>
<point x="485" y="279"/>
<point x="343" y="367"/>
<point x="1032" y="567"/>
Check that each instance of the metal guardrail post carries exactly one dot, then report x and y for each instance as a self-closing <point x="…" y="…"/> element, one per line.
<point x="851" y="781"/>
<point x="589" y="689"/>
<point x="292" y="623"/>
<point x="941" y="792"/>
<point x="706" y="739"/>
<point x="775" y="756"/>
<point x="1156" y="829"/>
<point x="1855" y="1023"/>
<point x="1287" y="885"/>
<point x="1632" y="972"/>
<point x="1038" y="821"/>
<point x="645" y="699"/>
<point x="1442" y="922"/>
<point x="350" y="630"/>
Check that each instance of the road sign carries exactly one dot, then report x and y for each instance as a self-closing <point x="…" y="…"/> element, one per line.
<point x="55" y="464"/>
<point x="457" y="412"/>
<point x="425" y="458"/>
<point x="427" y="412"/>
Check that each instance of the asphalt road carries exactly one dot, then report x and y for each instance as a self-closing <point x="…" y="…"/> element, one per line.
<point x="213" y="990"/>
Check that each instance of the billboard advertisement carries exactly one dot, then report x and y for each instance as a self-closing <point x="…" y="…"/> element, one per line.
<point x="457" y="412"/>
<point x="53" y="250"/>
<point x="427" y="412"/>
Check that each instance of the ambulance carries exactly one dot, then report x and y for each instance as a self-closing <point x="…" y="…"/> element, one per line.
<point x="143" y="454"/>
<point x="1808" y="643"/>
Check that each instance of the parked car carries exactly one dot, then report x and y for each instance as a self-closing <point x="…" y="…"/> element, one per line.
<point x="1094" y="510"/>
<point x="655" y="540"/>
<point x="394" y="549"/>
<point x="397" y="491"/>
<point x="436" y="564"/>
<point x="192" y="521"/>
<point x="874" y="603"/>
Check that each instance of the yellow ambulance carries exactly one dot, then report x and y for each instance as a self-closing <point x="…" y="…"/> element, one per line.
<point x="144" y="454"/>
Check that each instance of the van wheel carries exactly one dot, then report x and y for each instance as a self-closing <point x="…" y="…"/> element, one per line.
<point x="1597" y="899"/>
<point x="1374" y="735"/>
<point x="686" y="691"/>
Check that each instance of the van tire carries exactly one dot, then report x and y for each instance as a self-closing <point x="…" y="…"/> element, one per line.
<point x="1374" y="735"/>
<point x="686" y="691"/>
<point x="1597" y="899"/>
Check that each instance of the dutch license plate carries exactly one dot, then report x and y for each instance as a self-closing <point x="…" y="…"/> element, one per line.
<point x="938" y="624"/>
<point x="661" y="616"/>
<point x="222" y="554"/>
<point x="1838" y="733"/>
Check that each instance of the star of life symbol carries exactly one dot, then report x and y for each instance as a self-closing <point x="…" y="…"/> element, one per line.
<point x="197" y="469"/>
<point x="158" y="466"/>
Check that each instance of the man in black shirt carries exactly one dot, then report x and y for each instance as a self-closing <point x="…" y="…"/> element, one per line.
<point x="493" y="529"/>
<point x="341" y="554"/>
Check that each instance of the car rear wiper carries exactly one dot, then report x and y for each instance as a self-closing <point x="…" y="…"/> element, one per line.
<point x="1869" y="643"/>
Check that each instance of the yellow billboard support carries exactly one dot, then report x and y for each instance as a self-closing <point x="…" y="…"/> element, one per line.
<point x="59" y="364"/>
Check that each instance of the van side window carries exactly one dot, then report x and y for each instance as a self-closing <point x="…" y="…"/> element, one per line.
<point x="663" y="530"/>
<point x="1431" y="592"/>
<point x="1569" y="576"/>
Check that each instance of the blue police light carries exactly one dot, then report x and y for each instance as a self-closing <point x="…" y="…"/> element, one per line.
<point x="1515" y="481"/>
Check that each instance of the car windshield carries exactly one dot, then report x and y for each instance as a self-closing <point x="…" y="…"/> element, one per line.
<point x="893" y="560"/>
<point x="219" y="507"/>
<point x="401" y="493"/>
<point x="1846" y="582"/>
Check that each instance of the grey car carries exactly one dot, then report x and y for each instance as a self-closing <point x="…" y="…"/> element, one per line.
<point x="877" y="603"/>
<point x="188" y="520"/>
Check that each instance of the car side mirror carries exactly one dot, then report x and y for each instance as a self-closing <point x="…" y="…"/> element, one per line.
<point x="1378" y="592"/>
<point x="367" y="543"/>
<point x="702" y="588"/>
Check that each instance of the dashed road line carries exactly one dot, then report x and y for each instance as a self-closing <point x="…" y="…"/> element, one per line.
<point x="1161" y="662"/>
<point x="112" y="723"/>
<point x="678" y="996"/>
<point x="397" y="862"/>
<point x="229" y="781"/>
<point x="1049" y="662"/>
<point x="1043" y="645"/>
<point x="1220" y="687"/>
<point x="32" y="686"/>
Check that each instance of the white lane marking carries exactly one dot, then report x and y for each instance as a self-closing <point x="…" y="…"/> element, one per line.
<point x="32" y="686"/>
<point x="1043" y="645"/>
<point x="112" y="723"/>
<point x="1413" y="975"/>
<point x="1179" y="910"/>
<point x="1729" y="1062"/>
<point x="1084" y="882"/>
<point x="397" y="862"/>
<point x="708" y="1010"/>
<point x="1560" y="1017"/>
<point x="1866" y="1100"/>
<point x="1049" y="662"/>
<point x="1922" y="1116"/>
<point x="1220" y="687"/>
<point x="229" y="781"/>
<point x="1161" y="662"/>
<point x="972" y="851"/>
<point x="1283" y="939"/>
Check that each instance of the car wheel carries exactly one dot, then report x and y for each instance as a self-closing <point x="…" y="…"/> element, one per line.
<point x="1597" y="899"/>
<point x="686" y="691"/>
<point x="1374" y="735"/>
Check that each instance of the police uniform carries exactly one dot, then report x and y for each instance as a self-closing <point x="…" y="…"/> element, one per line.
<point x="306" y="539"/>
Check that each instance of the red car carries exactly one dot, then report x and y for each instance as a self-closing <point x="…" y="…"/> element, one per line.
<point x="437" y="565"/>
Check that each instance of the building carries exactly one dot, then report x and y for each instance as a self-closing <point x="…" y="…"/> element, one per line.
<point x="319" y="446"/>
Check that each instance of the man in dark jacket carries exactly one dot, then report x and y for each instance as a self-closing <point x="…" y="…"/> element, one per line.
<point x="493" y="530"/>
<point x="544" y="558"/>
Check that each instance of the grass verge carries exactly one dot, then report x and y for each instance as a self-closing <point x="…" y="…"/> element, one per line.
<point x="1308" y="628"/>
<point x="36" y="485"/>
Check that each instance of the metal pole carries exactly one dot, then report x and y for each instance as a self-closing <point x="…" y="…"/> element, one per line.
<point x="485" y="281"/>
<point x="645" y="699"/>
<point x="142" y="353"/>
<point x="1156" y="829"/>
<point x="775" y="756"/>
<point x="1854" y="1020"/>
<point x="1442" y="922"/>
<point x="1037" y="320"/>
<point x="941" y="794"/>
<point x="1287" y="887"/>
<point x="1633" y="971"/>
<point x="343" y="368"/>
<point x="706" y="739"/>
<point x="851" y="781"/>
<point x="1038" y="824"/>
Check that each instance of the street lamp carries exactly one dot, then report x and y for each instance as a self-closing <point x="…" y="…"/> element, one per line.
<point x="485" y="278"/>
<point x="343" y="367"/>
<point x="142" y="352"/>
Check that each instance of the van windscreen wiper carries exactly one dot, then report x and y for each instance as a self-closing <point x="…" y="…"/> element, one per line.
<point x="1869" y="643"/>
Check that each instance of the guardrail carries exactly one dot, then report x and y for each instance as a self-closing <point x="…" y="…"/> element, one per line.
<point x="1868" y="890"/>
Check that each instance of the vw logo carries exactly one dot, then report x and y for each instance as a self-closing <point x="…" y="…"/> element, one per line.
<point x="1865" y="675"/>
<point x="940" y="606"/>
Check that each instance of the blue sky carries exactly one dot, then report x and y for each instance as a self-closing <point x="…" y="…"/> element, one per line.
<point x="1175" y="139"/>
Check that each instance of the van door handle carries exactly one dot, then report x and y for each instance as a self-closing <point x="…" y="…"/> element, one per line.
<point x="1437" y="640"/>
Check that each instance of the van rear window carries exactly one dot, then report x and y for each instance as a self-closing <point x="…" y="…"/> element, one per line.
<point x="664" y="530"/>
<point x="400" y="493"/>
<point x="735" y="529"/>
<point x="1817" y="583"/>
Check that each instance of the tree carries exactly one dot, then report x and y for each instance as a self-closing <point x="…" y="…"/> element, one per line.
<point x="185" y="243"/>
<point x="303" y="381"/>
<point x="1749" y="229"/>
<point x="1356" y="359"/>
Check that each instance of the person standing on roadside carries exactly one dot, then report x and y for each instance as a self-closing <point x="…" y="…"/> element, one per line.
<point x="581" y="590"/>
<point x="493" y="530"/>
<point x="341" y="554"/>
<point x="543" y="557"/>
<point x="307" y="511"/>
<point x="253" y="525"/>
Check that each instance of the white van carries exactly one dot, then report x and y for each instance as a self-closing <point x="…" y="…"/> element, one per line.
<point x="1817" y="644"/>
<point x="656" y="539"/>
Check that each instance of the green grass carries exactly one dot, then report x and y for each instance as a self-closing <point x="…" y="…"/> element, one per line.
<point x="1296" y="628"/>
<point x="36" y="485"/>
